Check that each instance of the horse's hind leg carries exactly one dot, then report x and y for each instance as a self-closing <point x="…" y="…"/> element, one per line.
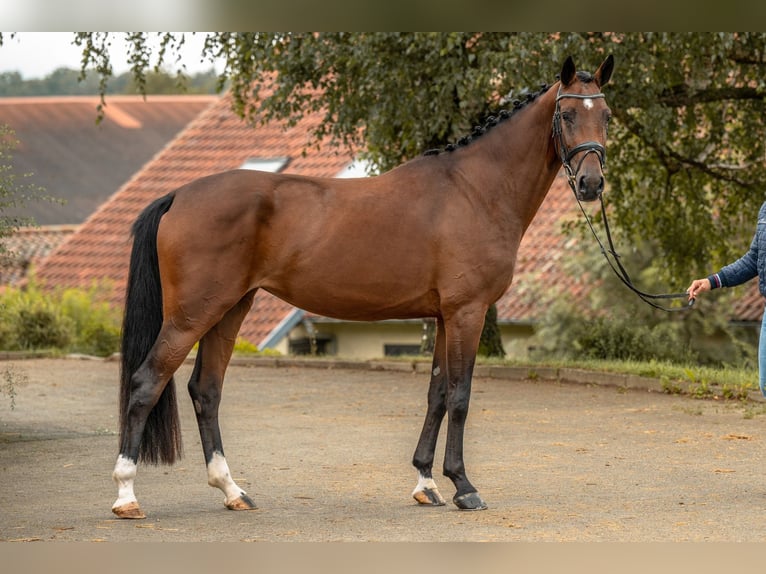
<point x="426" y="492"/>
<point x="205" y="387"/>
<point x="147" y="386"/>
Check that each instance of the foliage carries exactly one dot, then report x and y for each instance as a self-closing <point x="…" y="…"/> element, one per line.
<point x="702" y="381"/>
<point x="65" y="81"/>
<point x="611" y="323"/>
<point x="70" y="320"/>
<point x="96" y="325"/>
<point x="244" y="347"/>
<point x="12" y="378"/>
<point x="687" y="144"/>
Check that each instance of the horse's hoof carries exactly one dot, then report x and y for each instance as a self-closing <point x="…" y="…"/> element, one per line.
<point x="429" y="497"/>
<point x="129" y="510"/>
<point x="470" y="501"/>
<point x="243" y="502"/>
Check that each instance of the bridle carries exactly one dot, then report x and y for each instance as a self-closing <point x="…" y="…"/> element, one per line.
<point x="590" y="147"/>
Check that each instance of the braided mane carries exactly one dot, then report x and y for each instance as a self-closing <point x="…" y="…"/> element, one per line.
<point x="491" y="121"/>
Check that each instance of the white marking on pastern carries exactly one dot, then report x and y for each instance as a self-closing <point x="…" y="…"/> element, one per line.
<point x="423" y="484"/>
<point x="123" y="475"/>
<point x="219" y="476"/>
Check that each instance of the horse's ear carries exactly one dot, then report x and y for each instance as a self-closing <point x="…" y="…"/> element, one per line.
<point x="604" y="71"/>
<point x="568" y="71"/>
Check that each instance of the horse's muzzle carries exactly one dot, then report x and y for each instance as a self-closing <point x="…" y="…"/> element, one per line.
<point x="590" y="187"/>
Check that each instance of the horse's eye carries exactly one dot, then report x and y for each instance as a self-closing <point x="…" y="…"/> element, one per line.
<point x="568" y="117"/>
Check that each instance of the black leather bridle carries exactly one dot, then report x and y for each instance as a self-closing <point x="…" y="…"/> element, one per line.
<point x="588" y="147"/>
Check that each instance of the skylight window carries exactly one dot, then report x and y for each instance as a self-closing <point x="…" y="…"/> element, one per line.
<point x="271" y="164"/>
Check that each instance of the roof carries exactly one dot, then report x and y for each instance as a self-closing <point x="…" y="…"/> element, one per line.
<point x="750" y="306"/>
<point x="27" y="248"/>
<point x="539" y="259"/>
<point x="217" y="140"/>
<point x="82" y="162"/>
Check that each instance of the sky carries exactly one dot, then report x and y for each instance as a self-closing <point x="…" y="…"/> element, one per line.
<point x="37" y="54"/>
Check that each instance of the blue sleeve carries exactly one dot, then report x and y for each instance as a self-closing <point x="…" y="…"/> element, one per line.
<point x="744" y="268"/>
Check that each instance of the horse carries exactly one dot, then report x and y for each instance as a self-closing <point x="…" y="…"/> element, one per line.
<point x="436" y="236"/>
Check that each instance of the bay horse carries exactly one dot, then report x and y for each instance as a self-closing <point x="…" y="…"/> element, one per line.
<point x="434" y="237"/>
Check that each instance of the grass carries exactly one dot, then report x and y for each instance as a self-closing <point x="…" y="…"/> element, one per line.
<point x="697" y="380"/>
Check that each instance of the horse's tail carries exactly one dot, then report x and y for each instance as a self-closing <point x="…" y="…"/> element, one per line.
<point x="142" y="320"/>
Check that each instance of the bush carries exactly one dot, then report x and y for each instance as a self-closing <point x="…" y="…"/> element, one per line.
<point x="96" y="324"/>
<point x="567" y="332"/>
<point x="42" y="328"/>
<point x="615" y="339"/>
<point x="72" y="320"/>
<point x="610" y="322"/>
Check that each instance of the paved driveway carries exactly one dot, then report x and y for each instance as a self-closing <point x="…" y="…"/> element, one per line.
<point x="326" y="453"/>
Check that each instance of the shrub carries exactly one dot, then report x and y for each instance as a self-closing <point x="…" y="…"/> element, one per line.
<point x="569" y="333"/>
<point x="39" y="327"/>
<point x="72" y="320"/>
<point x="97" y="325"/>
<point x="245" y="347"/>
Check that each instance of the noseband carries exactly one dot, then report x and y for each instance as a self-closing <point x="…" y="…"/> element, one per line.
<point x="567" y="154"/>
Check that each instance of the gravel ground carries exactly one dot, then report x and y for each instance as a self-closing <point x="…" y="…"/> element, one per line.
<point x="325" y="453"/>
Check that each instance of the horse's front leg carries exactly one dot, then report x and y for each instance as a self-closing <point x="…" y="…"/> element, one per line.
<point x="426" y="492"/>
<point x="463" y="331"/>
<point x="205" y="388"/>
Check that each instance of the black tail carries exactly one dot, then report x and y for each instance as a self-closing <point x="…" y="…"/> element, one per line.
<point x="161" y="440"/>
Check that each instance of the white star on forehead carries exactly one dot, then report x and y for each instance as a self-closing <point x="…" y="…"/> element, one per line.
<point x="588" y="103"/>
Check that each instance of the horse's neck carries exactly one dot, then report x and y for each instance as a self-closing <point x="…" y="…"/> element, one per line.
<point x="516" y="161"/>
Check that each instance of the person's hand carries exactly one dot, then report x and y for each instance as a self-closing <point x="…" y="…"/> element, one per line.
<point x="698" y="286"/>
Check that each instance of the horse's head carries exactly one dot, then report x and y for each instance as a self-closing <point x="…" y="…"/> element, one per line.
<point x="580" y="126"/>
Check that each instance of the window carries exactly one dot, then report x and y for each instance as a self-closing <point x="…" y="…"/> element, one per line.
<point x="271" y="164"/>
<point x="397" y="350"/>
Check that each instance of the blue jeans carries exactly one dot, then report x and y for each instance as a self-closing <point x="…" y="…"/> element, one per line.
<point x="762" y="356"/>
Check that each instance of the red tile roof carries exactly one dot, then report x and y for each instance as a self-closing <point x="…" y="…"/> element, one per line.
<point x="540" y="257"/>
<point x="27" y="248"/>
<point x="218" y="140"/>
<point x="749" y="307"/>
<point x="81" y="162"/>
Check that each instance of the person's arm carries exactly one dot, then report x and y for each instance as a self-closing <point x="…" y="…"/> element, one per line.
<point x="742" y="270"/>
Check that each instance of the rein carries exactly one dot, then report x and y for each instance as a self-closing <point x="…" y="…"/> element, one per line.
<point x="620" y="271"/>
<point x="595" y="147"/>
